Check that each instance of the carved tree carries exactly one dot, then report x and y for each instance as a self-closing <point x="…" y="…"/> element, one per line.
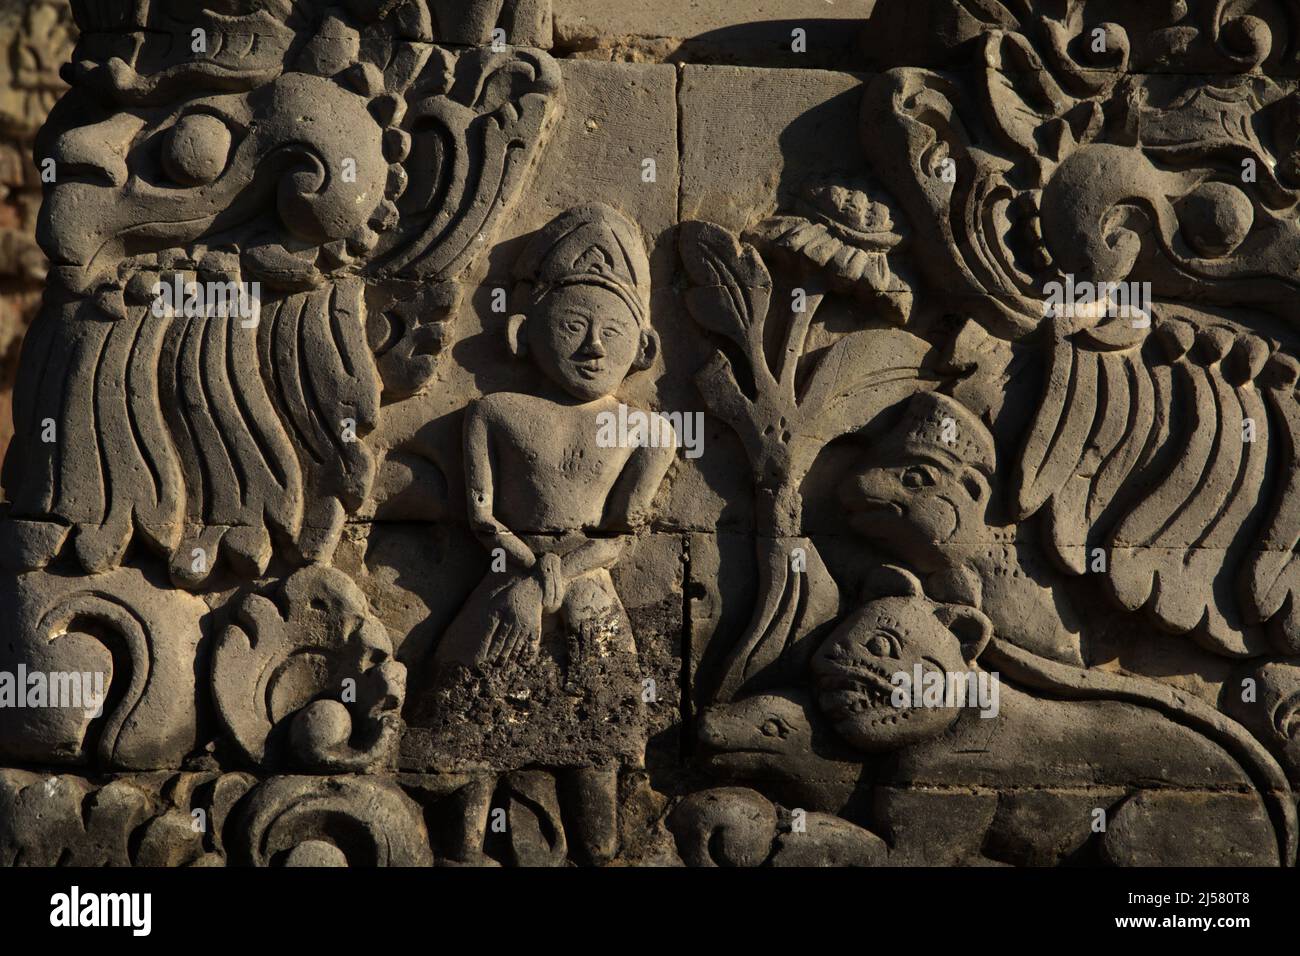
<point x="784" y="420"/>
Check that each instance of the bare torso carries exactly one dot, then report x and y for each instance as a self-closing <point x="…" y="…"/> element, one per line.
<point x="548" y="471"/>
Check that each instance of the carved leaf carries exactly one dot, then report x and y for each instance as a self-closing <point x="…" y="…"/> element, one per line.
<point x="731" y="288"/>
<point x="408" y="338"/>
<point x="1273" y="574"/>
<point x="792" y="605"/>
<point x="1021" y="92"/>
<point x="273" y="666"/>
<point x="857" y="378"/>
<point x="292" y="820"/>
<point x="472" y="150"/>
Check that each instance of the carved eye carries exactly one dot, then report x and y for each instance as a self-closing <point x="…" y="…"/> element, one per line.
<point x="882" y="645"/>
<point x="917" y="477"/>
<point x="196" y="149"/>
<point x="575" y="326"/>
<point x="772" y="727"/>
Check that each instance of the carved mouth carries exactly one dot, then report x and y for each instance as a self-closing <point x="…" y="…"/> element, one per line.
<point x="847" y="699"/>
<point x="133" y="280"/>
<point x="857" y="685"/>
<point x="846" y="663"/>
<point x="720" y="758"/>
<point x="131" y="244"/>
<point x="883" y="504"/>
<point x="590" y="370"/>
<point x="91" y="279"/>
<point x="717" y="754"/>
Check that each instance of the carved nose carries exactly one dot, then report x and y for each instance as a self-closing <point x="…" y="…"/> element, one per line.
<point x="709" y="734"/>
<point x="98" y="151"/>
<point x="593" y="344"/>
<point x="862" y="490"/>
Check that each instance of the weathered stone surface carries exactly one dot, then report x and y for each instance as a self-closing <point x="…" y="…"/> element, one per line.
<point x="762" y="31"/>
<point x="735" y="119"/>
<point x="513" y="433"/>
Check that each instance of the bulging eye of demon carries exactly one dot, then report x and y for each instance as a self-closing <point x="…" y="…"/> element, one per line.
<point x="196" y="149"/>
<point x="917" y="477"/>
<point x="882" y="645"/>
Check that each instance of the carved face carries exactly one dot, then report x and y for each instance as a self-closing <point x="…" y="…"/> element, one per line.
<point x="855" y="669"/>
<point x="918" y="508"/>
<point x="760" y="734"/>
<point x="585" y="339"/>
<point x="146" y="179"/>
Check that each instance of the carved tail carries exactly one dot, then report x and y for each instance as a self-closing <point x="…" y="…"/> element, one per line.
<point x="1073" y="683"/>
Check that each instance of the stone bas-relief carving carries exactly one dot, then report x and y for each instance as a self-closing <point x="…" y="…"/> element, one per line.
<point x="539" y="479"/>
<point x="431" y="472"/>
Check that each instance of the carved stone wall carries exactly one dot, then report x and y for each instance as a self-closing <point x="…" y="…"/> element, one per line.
<point x="578" y="432"/>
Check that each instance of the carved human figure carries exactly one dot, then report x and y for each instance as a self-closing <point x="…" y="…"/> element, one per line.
<point x="544" y="489"/>
<point x="550" y="494"/>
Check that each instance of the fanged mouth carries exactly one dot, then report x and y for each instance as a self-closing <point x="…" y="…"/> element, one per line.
<point x="85" y="274"/>
<point x="134" y="274"/>
<point x="849" y="699"/>
<point x="869" y="688"/>
<point x="857" y="668"/>
<point x="859" y="684"/>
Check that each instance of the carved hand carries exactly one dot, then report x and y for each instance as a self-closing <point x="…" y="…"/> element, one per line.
<point x="515" y="631"/>
<point x="552" y="571"/>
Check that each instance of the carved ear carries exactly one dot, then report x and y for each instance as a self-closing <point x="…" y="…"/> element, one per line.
<point x="889" y="580"/>
<point x="516" y="326"/>
<point x="645" y="355"/>
<point x="972" y="628"/>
